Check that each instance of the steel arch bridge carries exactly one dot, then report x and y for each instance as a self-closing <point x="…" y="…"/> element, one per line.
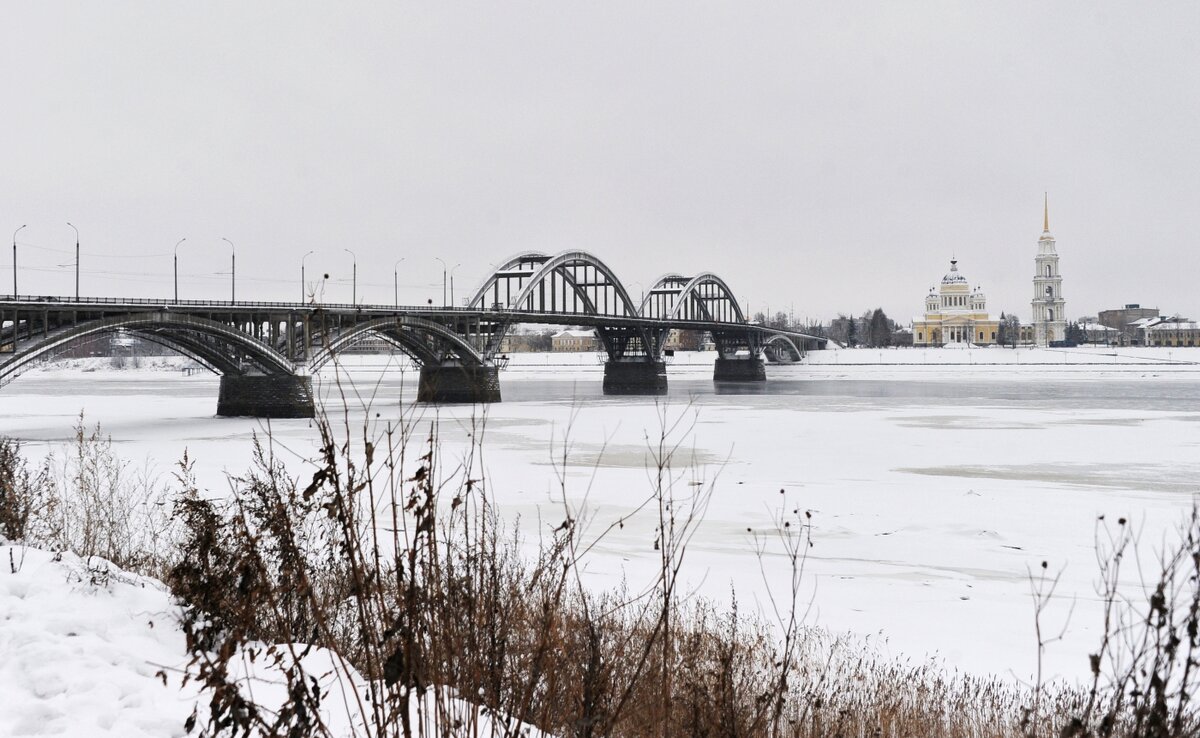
<point x="266" y="352"/>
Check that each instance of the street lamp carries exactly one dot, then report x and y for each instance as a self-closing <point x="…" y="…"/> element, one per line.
<point x="456" y="266"/>
<point x="76" y="262"/>
<point x="353" y="278"/>
<point x="302" y="258"/>
<point x="396" y="282"/>
<point x="642" y="288"/>
<point x="232" y="271"/>
<point x="443" y="281"/>
<point x="15" y="270"/>
<point x="177" y="269"/>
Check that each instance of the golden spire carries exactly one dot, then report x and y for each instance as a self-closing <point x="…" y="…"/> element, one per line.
<point x="1046" y="214"/>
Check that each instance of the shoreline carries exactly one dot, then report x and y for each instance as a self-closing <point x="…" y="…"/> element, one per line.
<point x="695" y="363"/>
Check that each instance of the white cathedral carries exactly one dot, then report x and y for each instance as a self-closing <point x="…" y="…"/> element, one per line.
<point x="957" y="314"/>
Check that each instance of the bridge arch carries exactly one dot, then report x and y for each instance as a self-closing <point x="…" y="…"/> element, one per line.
<point x="564" y="266"/>
<point x="221" y="348"/>
<point x="569" y="283"/>
<point x="781" y="344"/>
<point x="426" y="341"/>
<point x="659" y="299"/>
<point x="555" y="284"/>
<point x="703" y="297"/>
<point x="511" y="268"/>
<point x="707" y="297"/>
<point x="194" y="350"/>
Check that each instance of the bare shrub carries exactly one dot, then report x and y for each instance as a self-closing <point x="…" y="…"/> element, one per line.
<point x="104" y="507"/>
<point x="1144" y="673"/>
<point x="25" y="493"/>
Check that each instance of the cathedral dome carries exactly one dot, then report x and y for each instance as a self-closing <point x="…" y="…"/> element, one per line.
<point x="953" y="276"/>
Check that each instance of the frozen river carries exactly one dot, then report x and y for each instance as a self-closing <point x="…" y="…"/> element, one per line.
<point x="934" y="488"/>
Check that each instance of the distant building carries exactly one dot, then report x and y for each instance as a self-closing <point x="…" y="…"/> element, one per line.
<point x="955" y="314"/>
<point x="573" y="340"/>
<point x="680" y="340"/>
<point x="1049" y="307"/>
<point x="513" y="343"/>
<point x="370" y="344"/>
<point x="1122" y="320"/>
<point x="1174" y="331"/>
<point x="1098" y="333"/>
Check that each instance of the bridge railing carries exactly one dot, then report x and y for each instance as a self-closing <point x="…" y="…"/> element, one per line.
<point x="67" y="301"/>
<point x="48" y="301"/>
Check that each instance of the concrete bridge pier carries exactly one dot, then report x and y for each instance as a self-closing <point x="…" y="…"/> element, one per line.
<point x="635" y="376"/>
<point x="739" y="369"/>
<point x="459" y="383"/>
<point x="266" y="396"/>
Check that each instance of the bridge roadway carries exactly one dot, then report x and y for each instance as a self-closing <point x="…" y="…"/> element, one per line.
<point x="266" y="352"/>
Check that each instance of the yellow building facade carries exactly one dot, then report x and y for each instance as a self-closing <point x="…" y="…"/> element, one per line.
<point x="955" y="314"/>
<point x="1173" y="332"/>
<point x="573" y="340"/>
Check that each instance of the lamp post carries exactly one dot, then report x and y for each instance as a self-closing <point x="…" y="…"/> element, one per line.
<point x="302" y="258"/>
<point x="396" y="282"/>
<point x="177" y="269"/>
<point x="232" y="270"/>
<point x="443" y="280"/>
<point x="456" y="266"/>
<point x="76" y="262"/>
<point x="15" y="268"/>
<point x="642" y="289"/>
<point x="353" y="277"/>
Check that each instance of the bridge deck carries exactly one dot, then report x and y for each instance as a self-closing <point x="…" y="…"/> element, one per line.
<point x="111" y="306"/>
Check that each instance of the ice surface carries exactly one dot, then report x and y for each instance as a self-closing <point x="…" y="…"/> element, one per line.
<point x="935" y="487"/>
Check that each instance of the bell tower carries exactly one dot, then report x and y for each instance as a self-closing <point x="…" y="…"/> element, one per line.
<point x="1049" y="307"/>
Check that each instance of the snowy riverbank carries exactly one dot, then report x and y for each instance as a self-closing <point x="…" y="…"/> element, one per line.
<point x="995" y="355"/>
<point x="87" y="649"/>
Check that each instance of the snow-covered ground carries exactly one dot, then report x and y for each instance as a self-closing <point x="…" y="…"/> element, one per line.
<point x="86" y="650"/>
<point x="934" y="487"/>
<point x="988" y="355"/>
<point x="89" y="650"/>
<point x="89" y="364"/>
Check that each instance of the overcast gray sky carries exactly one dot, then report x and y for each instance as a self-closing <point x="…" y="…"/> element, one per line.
<point x="824" y="156"/>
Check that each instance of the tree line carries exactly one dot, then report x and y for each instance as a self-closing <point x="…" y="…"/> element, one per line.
<point x="872" y="329"/>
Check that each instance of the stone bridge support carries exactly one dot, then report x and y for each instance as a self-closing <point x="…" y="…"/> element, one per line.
<point x="740" y="369"/>
<point x="266" y="396"/>
<point x="635" y="376"/>
<point x="739" y="357"/>
<point x="454" y="382"/>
